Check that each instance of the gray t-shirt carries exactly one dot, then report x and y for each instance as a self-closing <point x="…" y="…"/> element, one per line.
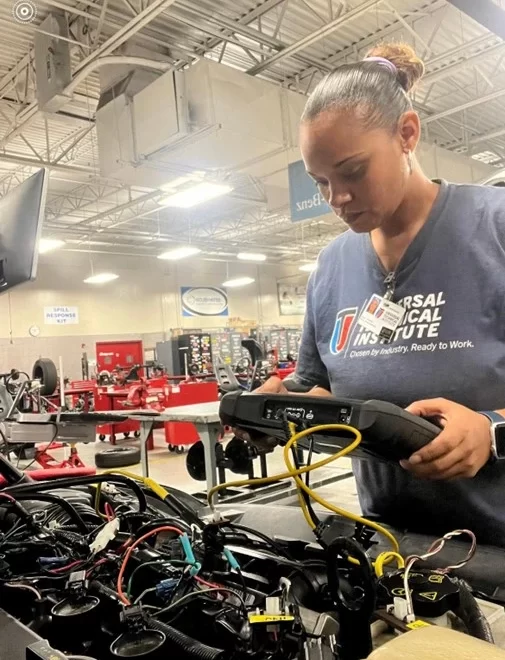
<point x="451" y="344"/>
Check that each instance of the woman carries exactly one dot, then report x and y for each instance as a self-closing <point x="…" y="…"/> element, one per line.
<point x="438" y="250"/>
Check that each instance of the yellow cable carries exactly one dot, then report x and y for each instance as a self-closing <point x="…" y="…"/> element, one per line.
<point x="320" y="500"/>
<point x="385" y="558"/>
<point x="286" y="475"/>
<point x="147" y="481"/>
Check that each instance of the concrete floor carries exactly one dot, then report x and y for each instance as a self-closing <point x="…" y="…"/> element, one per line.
<point x="170" y="469"/>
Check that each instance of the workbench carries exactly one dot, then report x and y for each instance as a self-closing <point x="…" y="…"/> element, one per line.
<point x="205" y="417"/>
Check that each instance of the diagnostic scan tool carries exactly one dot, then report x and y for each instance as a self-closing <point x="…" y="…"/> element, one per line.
<point x="389" y="432"/>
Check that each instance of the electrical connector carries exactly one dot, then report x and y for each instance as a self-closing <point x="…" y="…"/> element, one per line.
<point x="190" y="557"/>
<point x="230" y="558"/>
<point x="105" y="536"/>
<point x="400" y="610"/>
<point x="166" y="587"/>
<point x="53" y="562"/>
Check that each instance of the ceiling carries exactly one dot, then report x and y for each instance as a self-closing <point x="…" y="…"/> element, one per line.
<point x="288" y="42"/>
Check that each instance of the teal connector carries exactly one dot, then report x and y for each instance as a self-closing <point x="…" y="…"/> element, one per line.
<point x="190" y="557"/>
<point x="231" y="559"/>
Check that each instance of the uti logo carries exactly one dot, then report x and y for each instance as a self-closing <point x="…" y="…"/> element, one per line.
<point x="342" y="330"/>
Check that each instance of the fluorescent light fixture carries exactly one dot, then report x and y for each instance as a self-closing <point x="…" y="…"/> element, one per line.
<point x="197" y="194"/>
<point x="308" y="268"/>
<point x="180" y="253"/>
<point x="49" y="244"/>
<point x="239" y="281"/>
<point x="101" y="278"/>
<point x="251" y="256"/>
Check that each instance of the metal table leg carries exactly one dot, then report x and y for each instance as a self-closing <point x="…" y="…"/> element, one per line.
<point x="146" y="428"/>
<point x="209" y="434"/>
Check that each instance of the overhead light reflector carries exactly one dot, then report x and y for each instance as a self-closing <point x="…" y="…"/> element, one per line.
<point x="49" y="244"/>
<point x="251" y="256"/>
<point x="201" y="192"/>
<point x="180" y="253"/>
<point x="308" y="268"/>
<point x="101" y="278"/>
<point x="239" y="281"/>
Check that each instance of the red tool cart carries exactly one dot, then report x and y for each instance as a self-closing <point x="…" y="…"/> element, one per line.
<point x="179" y="435"/>
<point x="112" y="354"/>
<point x="113" y="397"/>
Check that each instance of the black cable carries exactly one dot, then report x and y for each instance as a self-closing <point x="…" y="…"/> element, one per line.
<point x="469" y="612"/>
<point x="71" y="482"/>
<point x="242" y="528"/>
<point x="54" y="499"/>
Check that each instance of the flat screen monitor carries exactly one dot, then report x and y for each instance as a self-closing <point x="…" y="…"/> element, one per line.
<point x="21" y="218"/>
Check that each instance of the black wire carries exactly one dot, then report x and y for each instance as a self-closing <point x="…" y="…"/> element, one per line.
<point x="242" y="528"/>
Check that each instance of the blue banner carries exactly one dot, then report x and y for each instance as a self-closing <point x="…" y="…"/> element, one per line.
<point x="305" y="200"/>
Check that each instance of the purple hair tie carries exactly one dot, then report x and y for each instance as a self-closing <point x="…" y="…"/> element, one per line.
<point x="384" y="62"/>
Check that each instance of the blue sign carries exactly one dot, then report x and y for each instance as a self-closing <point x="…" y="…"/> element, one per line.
<point x="305" y="200"/>
<point x="204" y="301"/>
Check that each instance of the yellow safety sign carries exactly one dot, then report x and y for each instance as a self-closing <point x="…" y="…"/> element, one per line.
<point x="437" y="579"/>
<point x="429" y="595"/>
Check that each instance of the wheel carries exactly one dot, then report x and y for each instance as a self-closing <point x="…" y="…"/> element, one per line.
<point x="126" y="434"/>
<point x="117" y="457"/>
<point x="136" y="434"/>
<point x="170" y="448"/>
<point x="101" y="437"/>
<point x="179" y="449"/>
<point x="45" y="371"/>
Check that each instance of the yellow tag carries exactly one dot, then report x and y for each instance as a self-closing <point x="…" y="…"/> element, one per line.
<point x="417" y="624"/>
<point x="437" y="579"/>
<point x="270" y="618"/>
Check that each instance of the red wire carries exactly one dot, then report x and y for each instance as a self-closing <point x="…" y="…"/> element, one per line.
<point x="109" y="511"/>
<point x="153" y="532"/>
<point x="212" y="585"/>
<point x="65" y="568"/>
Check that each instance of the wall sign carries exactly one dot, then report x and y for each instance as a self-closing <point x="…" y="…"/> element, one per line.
<point x="291" y="299"/>
<point x="305" y="200"/>
<point x="61" y="315"/>
<point x="204" y="301"/>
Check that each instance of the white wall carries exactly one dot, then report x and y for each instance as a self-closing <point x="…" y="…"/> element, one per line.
<point x="143" y="303"/>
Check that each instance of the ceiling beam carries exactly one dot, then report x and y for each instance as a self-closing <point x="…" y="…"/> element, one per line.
<point x="315" y="36"/>
<point x="464" y="106"/>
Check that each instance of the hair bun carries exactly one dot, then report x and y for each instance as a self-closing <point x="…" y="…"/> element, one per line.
<point x="410" y="67"/>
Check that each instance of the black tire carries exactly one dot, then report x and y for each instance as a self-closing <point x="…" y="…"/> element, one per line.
<point x="136" y="434"/>
<point x="179" y="449"/>
<point x="117" y="457"/>
<point x="126" y="434"/>
<point x="45" y="371"/>
<point x="101" y="437"/>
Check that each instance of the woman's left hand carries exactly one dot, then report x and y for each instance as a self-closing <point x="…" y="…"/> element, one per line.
<point x="462" y="448"/>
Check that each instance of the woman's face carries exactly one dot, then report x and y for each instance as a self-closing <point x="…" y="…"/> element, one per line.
<point x="362" y="173"/>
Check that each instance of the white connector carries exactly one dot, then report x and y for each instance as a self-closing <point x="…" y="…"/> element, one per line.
<point x="272" y="605"/>
<point x="401" y="610"/>
<point x="105" y="536"/>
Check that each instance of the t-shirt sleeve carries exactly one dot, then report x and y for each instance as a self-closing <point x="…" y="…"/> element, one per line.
<point x="310" y="370"/>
